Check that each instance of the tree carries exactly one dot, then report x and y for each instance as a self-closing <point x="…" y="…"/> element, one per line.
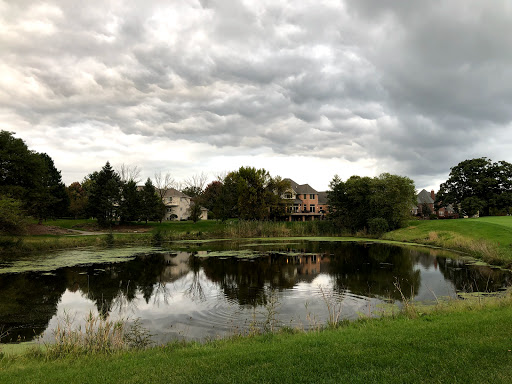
<point x="355" y="203"/>
<point x="130" y="206"/>
<point x="129" y="173"/>
<point x="194" y="186"/>
<point x="19" y="167"/>
<point x="77" y="200"/>
<point x="163" y="183"/>
<point x="49" y="198"/>
<point x="12" y="216"/>
<point x="195" y="211"/>
<point x="212" y="199"/>
<point x="392" y="199"/>
<point x="490" y="183"/>
<point x="32" y="178"/>
<point x="105" y="195"/>
<point x="425" y="210"/>
<point x="151" y="204"/>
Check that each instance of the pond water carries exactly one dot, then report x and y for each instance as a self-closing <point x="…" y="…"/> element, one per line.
<point x="217" y="289"/>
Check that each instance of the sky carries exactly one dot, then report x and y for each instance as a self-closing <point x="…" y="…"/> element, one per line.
<point x="305" y="89"/>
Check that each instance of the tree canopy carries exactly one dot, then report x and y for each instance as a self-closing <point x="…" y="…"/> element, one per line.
<point x="478" y="185"/>
<point x="32" y="178"/>
<point x="355" y="203"/>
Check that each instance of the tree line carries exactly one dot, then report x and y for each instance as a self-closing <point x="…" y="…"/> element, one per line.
<point x="31" y="185"/>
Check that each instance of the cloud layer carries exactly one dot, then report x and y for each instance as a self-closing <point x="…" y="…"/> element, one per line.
<point x="353" y="87"/>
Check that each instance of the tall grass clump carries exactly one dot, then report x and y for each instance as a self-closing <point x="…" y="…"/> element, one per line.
<point x="334" y="307"/>
<point x="99" y="335"/>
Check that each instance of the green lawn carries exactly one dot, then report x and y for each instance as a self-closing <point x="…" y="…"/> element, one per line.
<point x="466" y="346"/>
<point x="486" y="237"/>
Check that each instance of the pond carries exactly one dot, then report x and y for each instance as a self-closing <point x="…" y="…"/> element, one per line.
<point x="217" y="289"/>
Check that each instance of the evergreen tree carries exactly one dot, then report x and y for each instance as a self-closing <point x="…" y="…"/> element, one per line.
<point x="151" y="204"/>
<point x="130" y="207"/>
<point x="105" y="195"/>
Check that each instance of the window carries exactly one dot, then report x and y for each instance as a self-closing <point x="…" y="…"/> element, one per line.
<point x="312" y="208"/>
<point x="312" y="196"/>
<point x="287" y="195"/>
<point x="305" y="196"/>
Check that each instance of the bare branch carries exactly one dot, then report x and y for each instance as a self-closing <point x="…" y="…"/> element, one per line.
<point x="197" y="181"/>
<point x="129" y="173"/>
<point x="163" y="183"/>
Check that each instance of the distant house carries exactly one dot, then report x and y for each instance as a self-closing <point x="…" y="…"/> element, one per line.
<point x="304" y="202"/>
<point x="425" y="198"/>
<point x="177" y="206"/>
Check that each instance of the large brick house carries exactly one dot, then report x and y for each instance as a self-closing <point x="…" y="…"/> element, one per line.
<point x="304" y="202"/>
<point x="425" y="198"/>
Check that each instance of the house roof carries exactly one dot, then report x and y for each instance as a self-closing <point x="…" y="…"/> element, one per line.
<point x="322" y="198"/>
<point x="424" y="197"/>
<point x="301" y="188"/>
<point x="171" y="192"/>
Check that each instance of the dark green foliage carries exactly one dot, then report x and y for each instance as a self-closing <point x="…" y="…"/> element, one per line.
<point x="77" y="200"/>
<point x="32" y="178"/>
<point x="354" y="202"/>
<point x="192" y="191"/>
<point x="105" y="195"/>
<point x="472" y="205"/>
<point x="211" y="199"/>
<point x="49" y="199"/>
<point x="151" y="204"/>
<point x="377" y="226"/>
<point x="251" y="194"/>
<point x="12" y="217"/>
<point x="488" y="184"/>
<point x="131" y="204"/>
<point x="194" y="211"/>
<point x="425" y="210"/>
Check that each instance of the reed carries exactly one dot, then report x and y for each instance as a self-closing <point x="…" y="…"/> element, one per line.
<point x="98" y="335"/>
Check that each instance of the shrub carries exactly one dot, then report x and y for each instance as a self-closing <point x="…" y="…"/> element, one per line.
<point x="12" y="217"/>
<point x="377" y="226"/>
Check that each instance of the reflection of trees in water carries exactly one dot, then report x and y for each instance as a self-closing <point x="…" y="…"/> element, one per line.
<point x="27" y="303"/>
<point x="116" y="286"/>
<point x="245" y="280"/>
<point x="371" y="270"/>
<point x="474" y="278"/>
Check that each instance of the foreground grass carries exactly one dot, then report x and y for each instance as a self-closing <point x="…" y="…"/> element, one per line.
<point x="489" y="238"/>
<point x="459" y="345"/>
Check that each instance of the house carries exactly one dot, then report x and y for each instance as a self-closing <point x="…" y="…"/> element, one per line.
<point x="177" y="206"/>
<point x="304" y="202"/>
<point x="425" y="198"/>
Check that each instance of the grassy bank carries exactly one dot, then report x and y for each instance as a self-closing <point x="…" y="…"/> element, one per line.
<point x="488" y="238"/>
<point x="470" y="344"/>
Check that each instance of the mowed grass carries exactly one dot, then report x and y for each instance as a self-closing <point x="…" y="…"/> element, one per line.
<point x="466" y="346"/>
<point x="489" y="238"/>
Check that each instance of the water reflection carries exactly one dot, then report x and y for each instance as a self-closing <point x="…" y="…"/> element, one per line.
<point x="185" y="287"/>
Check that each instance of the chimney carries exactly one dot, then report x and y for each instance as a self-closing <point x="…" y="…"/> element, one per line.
<point x="432" y="195"/>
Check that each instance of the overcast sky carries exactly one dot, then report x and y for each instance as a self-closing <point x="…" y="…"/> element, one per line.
<point x="304" y="89"/>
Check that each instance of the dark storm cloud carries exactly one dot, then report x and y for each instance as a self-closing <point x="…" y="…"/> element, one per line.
<point x="413" y="87"/>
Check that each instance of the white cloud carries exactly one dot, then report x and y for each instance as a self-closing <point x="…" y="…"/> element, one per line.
<point x="307" y="89"/>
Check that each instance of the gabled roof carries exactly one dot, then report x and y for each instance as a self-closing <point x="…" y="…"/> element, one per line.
<point x="424" y="197"/>
<point x="301" y="189"/>
<point x="171" y="192"/>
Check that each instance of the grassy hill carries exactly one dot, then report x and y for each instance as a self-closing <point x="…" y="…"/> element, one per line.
<point x="489" y="238"/>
